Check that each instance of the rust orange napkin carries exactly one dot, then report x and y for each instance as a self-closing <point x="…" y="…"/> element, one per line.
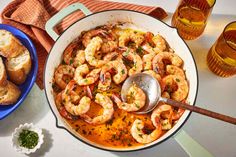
<point x="30" y="16"/>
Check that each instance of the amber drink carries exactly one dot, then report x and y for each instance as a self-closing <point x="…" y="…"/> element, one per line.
<point x="221" y="58"/>
<point x="190" y="17"/>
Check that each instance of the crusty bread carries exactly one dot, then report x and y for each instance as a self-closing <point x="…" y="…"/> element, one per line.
<point x="3" y="74"/>
<point x="10" y="46"/>
<point x="9" y="94"/>
<point x="18" y="67"/>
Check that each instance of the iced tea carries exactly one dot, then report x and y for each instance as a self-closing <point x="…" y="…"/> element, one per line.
<point x="191" y="16"/>
<point x="221" y="58"/>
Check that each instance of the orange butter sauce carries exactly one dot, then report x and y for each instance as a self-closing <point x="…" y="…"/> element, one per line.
<point x="114" y="133"/>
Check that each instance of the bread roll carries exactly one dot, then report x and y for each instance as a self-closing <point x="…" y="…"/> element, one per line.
<point x="9" y="94"/>
<point x="10" y="46"/>
<point x="18" y="67"/>
<point x="3" y="74"/>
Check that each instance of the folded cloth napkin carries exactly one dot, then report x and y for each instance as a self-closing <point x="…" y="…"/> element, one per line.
<point x="30" y="16"/>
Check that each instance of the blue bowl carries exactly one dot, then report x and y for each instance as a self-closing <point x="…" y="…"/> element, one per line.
<point x="28" y="84"/>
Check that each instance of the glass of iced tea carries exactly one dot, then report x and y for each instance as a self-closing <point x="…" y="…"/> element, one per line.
<point x="190" y="17"/>
<point x="221" y="58"/>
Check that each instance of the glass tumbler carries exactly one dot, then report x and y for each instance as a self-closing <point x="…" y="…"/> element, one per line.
<point x="221" y="58"/>
<point x="190" y="17"/>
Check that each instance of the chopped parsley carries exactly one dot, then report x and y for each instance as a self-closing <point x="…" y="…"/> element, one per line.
<point x="135" y="65"/>
<point x="71" y="61"/>
<point x="28" y="139"/>
<point x="137" y="105"/>
<point x="122" y="71"/>
<point x="126" y="53"/>
<point x="140" y="50"/>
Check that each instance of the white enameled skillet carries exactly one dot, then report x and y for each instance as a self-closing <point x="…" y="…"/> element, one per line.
<point x="139" y="20"/>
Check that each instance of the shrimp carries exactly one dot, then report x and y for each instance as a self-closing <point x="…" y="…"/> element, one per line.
<point x="90" y="78"/>
<point x="108" y="110"/>
<point x="70" y="106"/>
<point x="158" y="64"/>
<point x="86" y="39"/>
<point x="147" y="61"/>
<point x="157" y="113"/>
<point x="140" y="136"/>
<point x="157" y="43"/>
<point x="63" y="74"/>
<point x="104" y="86"/>
<point x="61" y="108"/>
<point x="109" y="46"/>
<point x="93" y="46"/>
<point x="149" y="49"/>
<point x="111" y="56"/>
<point x="177" y="114"/>
<point x="69" y="52"/>
<point x="136" y="99"/>
<point x="121" y="71"/>
<point x="79" y="58"/>
<point x="165" y="95"/>
<point x="72" y="56"/>
<point x="129" y="35"/>
<point x="154" y="74"/>
<point x="138" y="63"/>
<point x="148" y="37"/>
<point x="160" y="43"/>
<point x="174" y="70"/>
<point x="182" y="86"/>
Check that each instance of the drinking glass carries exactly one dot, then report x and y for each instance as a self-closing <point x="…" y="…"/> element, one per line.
<point x="221" y="58"/>
<point x="190" y="17"/>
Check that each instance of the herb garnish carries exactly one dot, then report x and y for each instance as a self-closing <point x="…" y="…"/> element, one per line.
<point x="140" y="50"/>
<point x="123" y="71"/>
<point x="28" y="139"/>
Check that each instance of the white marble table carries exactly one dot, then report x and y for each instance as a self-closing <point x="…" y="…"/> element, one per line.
<point x="214" y="93"/>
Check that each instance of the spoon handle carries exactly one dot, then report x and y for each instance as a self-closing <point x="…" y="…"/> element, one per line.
<point x="200" y="110"/>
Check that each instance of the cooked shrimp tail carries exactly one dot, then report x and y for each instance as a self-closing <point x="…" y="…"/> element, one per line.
<point x="140" y="136"/>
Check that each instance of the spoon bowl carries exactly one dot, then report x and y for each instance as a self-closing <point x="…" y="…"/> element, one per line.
<point x="149" y="85"/>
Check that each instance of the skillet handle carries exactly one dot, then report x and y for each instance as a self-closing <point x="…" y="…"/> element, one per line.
<point x="191" y="147"/>
<point x="58" y="17"/>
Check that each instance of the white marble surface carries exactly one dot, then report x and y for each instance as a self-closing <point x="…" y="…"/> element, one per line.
<point x="215" y="93"/>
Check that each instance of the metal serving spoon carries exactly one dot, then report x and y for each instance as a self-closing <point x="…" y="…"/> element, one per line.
<point x="152" y="89"/>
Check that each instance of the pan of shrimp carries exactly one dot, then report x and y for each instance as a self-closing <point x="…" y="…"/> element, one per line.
<point x="90" y="61"/>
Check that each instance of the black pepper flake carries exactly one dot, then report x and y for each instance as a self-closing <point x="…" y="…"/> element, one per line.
<point x="84" y="132"/>
<point x="123" y="118"/>
<point x="63" y="62"/>
<point x="110" y="122"/>
<point x="129" y="123"/>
